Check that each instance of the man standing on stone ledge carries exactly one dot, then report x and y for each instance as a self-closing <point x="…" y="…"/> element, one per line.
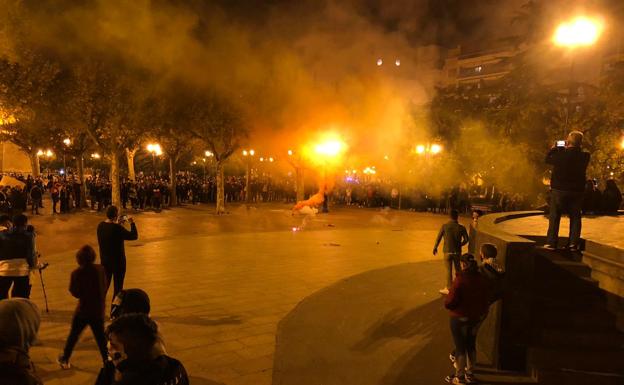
<point x="567" y="185"/>
<point x="455" y="237"/>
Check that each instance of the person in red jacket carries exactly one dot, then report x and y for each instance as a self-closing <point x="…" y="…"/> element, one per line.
<point x="89" y="284"/>
<point x="468" y="301"/>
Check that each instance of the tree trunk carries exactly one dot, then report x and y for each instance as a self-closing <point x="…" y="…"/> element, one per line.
<point x="130" y="153"/>
<point x="81" y="177"/>
<point x="34" y="164"/>
<point x="174" y="183"/>
<point x="299" y="183"/>
<point x="114" y="177"/>
<point x="220" y="189"/>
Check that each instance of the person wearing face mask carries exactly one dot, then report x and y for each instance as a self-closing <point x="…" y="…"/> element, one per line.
<point x="131" y="341"/>
<point x="19" y="325"/>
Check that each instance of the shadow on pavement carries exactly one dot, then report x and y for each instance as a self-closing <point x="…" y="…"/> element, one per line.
<point x="422" y="363"/>
<point x="203" y="381"/>
<point x="200" y="321"/>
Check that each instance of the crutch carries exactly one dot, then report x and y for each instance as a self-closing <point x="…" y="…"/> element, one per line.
<point x="45" y="297"/>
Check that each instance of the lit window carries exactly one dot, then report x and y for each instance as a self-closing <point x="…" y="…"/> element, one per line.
<point x="478" y="69"/>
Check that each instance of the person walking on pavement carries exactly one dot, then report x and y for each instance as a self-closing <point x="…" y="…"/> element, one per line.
<point x="455" y="237"/>
<point x="36" y="195"/>
<point x="468" y="302"/>
<point x="111" y="235"/>
<point x="88" y="284"/>
<point x="17" y="258"/>
<point x="567" y="185"/>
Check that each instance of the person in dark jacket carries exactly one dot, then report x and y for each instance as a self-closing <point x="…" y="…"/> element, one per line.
<point x="131" y="340"/>
<point x="128" y="301"/>
<point x="17" y="258"/>
<point x="611" y="198"/>
<point x="468" y="302"/>
<point x="36" y="195"/>
<point x="491" y="270"/>
<point x="455" y="237"/>
<point x="19" y="325"/>
<point x="567" y="186"/>
<point x="111" y="235"/>
<point x="88" y="284"/>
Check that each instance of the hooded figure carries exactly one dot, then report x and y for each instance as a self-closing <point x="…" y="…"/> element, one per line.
<point x="19" y="325"/>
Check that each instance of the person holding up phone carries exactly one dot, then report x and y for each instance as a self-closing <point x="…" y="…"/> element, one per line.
<point x="567" y="185"/>
<point x="111" y="235"/>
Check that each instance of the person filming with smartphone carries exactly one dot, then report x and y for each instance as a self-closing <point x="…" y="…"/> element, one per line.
<point x="567" y="185"/>
<point x="111" y="235"/>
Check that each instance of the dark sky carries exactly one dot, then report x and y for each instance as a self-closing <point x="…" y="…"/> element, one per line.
<point x="441" y="22"/>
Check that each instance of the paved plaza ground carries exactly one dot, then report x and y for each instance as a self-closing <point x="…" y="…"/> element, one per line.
<point x="607" y="230"/>
<point x="221" y="285"/>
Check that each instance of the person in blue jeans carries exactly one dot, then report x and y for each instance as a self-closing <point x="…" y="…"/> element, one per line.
<point x="468" y="302"/>
<point x="567" y="185"/>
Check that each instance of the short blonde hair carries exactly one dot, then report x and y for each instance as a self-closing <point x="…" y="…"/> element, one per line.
<point x="575" y="138"/>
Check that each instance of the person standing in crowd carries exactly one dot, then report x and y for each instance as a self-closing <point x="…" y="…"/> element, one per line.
<point x="88" y="284"/>
<point x="111" y="235"/>
<point x="55" y="194"/>
<point x="567" y="186"/>
<point x="611" y="198"/>
<point x="455" y="237"/>
<point x="36" y="195"/>
<point x="131" y="341"/>
<point x="19" y="325"/>
<point x="468" y="302"/>
<point x="17" y="259"/>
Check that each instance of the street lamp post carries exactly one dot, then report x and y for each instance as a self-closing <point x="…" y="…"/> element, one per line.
<point x="67" y="143"/>
<point x="579" y="32"/>
<point x="155" y="150"/>
<point x="248" y="154"/>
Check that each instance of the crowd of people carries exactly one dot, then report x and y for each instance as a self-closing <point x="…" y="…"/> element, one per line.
<point x="131" y="347"/>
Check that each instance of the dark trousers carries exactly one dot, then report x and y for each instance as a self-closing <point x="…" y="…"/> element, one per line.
<point x="54" y="203"/>
<point x="562" y="202"/>
<point x="21" y="287"/>
<point x="451" y="260"/>
<point x="79" y="323"/>
<point x="464" y="333"/>
<point x="115" y="273"/>
<point x="35" y="203"/>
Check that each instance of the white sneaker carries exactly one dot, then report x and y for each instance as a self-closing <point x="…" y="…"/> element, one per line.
<point x="444" y="291"/>
<point x="63" y="363"/>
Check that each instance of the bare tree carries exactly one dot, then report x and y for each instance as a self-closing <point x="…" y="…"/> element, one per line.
<point x="219" y="124"/>
<point x="170" y="115"/>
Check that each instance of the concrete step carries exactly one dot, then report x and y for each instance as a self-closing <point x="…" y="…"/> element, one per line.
<point x="575" y="300"/>
<point x="582" y="339"/>
<point x="603" y="361"/>
<point x="560" y="377"/>
<point x="487" y="376"/>
<point x="559" y="317"/>
<point x="577" y="268"/>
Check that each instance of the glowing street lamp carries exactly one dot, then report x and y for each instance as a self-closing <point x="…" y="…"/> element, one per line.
<point x="208" y="154"/>
<point x="420" y="149"/>
<point x="95" y="155"/>
<point x="622" y="144"/>
<point x="580" y="31"/>
<point x="330" y="148"/>
<point x="290" y="152"/>
<point x="67" y="141"/>
<point x="248" y="154"/>
<point x="435" y="149"/>
<point x="155" y="150"/>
